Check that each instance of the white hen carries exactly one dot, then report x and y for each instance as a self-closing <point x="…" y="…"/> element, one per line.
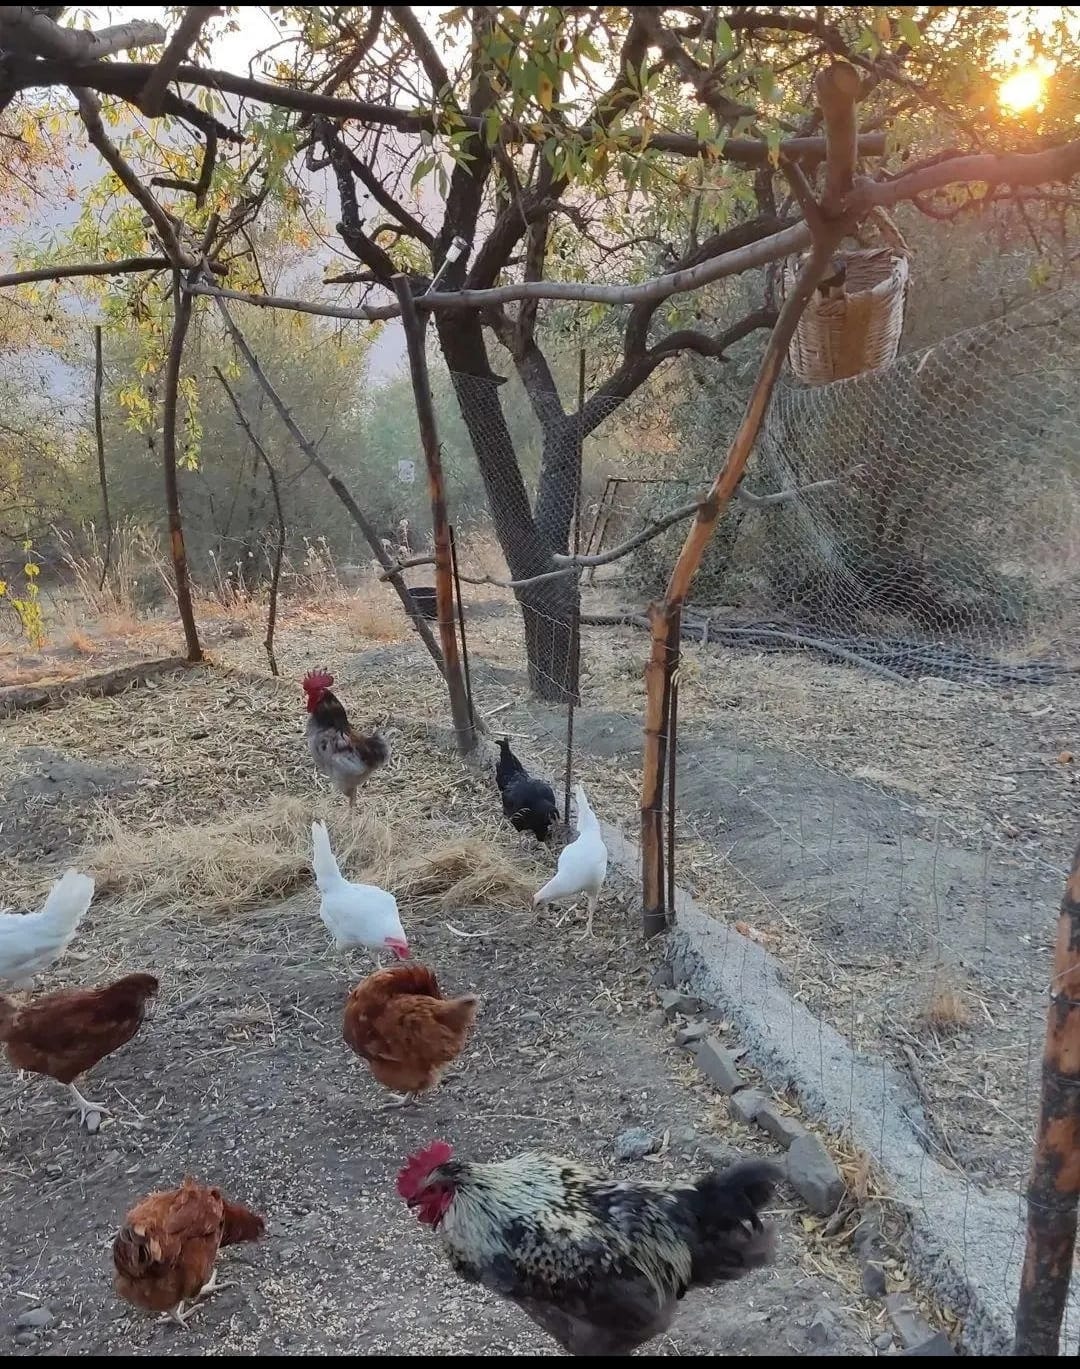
<point x="355" y="914"/>
<point x="29" y="942"/>
<point x="582" y="865"/>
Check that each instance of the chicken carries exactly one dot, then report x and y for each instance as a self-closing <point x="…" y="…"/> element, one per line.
<point x="599" y="1263"/>
<point x="529" y="804"/>
<point x="399" y="1022"/>
<point x="582" y="864"/>
<point x="346" y="757"/>
<point x="164" y="1253"/>
<point x="30" y="942"/>
<point x="62" y="1035"/>
<point x="355" y="914"/>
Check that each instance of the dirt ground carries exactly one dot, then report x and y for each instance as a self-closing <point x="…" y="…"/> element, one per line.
<point x="242" y="1079"/>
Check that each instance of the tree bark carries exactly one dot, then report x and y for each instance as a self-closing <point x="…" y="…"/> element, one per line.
<point x="548" y="608"/>
<point x="99" y="436"/>
<point x="182" y="303"/>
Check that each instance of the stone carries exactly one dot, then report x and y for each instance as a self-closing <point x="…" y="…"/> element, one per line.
<point x="634" y="1144"/>
<point x="871" y="1255"/>
<point x="717" y="1065"/>
<point x="907" y="1320"/>
<point x="781" y="1126"/>
<point x="689" y="1036"/>
<point x="938" y="1344"/>
<point x="813" y="1175"/>
<point x="663" y="977"/>
<point x="883" y="1341"/>
<point x="25" y="1337"/>
<point x="674" y="1002"/>
<point x="93" y="1122"/>
<point x="822" y="1328"/>
<point x="746" y="1104"/>
<point x="34" y="1319"/>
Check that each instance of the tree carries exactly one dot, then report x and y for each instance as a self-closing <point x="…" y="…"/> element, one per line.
<point x="563" y="142"/>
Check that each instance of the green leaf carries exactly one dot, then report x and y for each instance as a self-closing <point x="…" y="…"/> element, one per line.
<point x="909" y="30"/>
<point x="725" y="39"/>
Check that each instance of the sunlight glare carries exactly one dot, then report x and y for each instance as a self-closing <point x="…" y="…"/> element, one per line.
<point x="1024" y="88"/>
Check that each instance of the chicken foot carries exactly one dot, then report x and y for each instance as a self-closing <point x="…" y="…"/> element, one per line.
<point x="85" y="1106"/>
<point x="400" y="1100"/>
<point x="181" y="1314"/>
<point x="593" y="900"/>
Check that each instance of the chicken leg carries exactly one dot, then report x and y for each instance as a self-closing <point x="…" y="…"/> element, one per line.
<point x="84" y="1105"/>
<point x="181" y="1314"/>
<point x="592" y="901"/>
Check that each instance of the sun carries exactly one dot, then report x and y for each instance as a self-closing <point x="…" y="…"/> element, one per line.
<point x="1024" y="88"/>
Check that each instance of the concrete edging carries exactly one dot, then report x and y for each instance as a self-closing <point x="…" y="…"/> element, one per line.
<point x="968" y="1242"/>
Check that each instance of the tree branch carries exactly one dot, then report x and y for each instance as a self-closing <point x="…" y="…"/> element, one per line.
<point x="90" y="110"/>
<point x="378" y="192"/>
<point x="123" y="266"/>
<point x="422" y="45"/>
<point x="25" y="28"/>
<point x="187" y="31"/>
<point x="334" y="481"/>
<point x="127" y="79"/>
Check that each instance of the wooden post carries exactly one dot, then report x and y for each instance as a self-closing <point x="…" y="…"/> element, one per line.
<point x="1055" y="1174"/>
<point x="440" y="525"/>
<point x="182" y="303"/>
<point x="461" y="624"/>
<point x="575" y="627"/>
<point x="99" y="436"/>
<point x="672" y="767"/>
<point x="837" y="94"/>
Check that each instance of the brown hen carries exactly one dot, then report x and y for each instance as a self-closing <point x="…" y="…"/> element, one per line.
<point x="398" y="1021"/>
<point x="164" y="1253"/>
<point x="62" y="1035"/>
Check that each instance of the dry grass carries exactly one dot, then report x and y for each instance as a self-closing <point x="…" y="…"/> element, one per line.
<point x="232" y="865"/>
<point x="946" y="1010"/>
<point x="373" y="611"/>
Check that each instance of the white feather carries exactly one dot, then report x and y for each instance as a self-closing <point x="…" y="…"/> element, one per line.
<point x="582" y="865"/>
<point x="31" y="941"/>
<point x="355" y="914"/>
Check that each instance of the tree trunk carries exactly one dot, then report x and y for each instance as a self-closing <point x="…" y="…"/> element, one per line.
<point x="181" y="318"/>
<point x="547" y="609"/>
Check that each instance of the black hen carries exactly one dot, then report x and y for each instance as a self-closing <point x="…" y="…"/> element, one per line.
<point x="529" y="804"/>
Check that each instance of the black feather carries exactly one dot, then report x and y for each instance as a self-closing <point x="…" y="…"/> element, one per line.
<point x="528" y="803"/>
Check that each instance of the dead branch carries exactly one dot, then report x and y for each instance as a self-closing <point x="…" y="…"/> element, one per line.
<point x="838" y="88"/>
<point x="335" y="482"/>
<point x="19" y="698"/>
<point x="187" y="31"/>
<point x="90" y="109"/>
<point x="279" y="550"/>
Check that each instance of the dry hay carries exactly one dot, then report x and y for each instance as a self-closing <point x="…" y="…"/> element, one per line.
<point x="235" y="864"/>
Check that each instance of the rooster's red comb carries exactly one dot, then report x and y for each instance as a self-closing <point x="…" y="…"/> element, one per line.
<point x="316" y="679"/>
<point x="419" y="1166"/>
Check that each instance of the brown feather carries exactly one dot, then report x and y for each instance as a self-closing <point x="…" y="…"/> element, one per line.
<point x="398" y="1021"/>
<point x="62" y="1035"/>
<point x="166" y="1249"/>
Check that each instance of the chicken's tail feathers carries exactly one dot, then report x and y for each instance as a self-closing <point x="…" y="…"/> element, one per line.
<point x="68" y="900"/>
<point x="8" y="1010"/>
<point x="459" y="1013"/>
<point x="323" y="862"/>
<point x="240" y="1224"/>
<point x="731" y="1238"/>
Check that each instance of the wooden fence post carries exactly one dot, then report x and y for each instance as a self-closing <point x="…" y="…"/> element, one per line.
<point x="837" y="89"/>
<point x="440" y="523"/>
<point x="1055" y="1173"/>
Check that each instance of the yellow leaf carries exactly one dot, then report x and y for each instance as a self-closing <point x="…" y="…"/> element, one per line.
<point x="883" y="26"/>
<point x="545" y="92"/>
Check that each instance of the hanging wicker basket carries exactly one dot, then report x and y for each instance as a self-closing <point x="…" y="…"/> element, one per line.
<point x="854" y="320"/>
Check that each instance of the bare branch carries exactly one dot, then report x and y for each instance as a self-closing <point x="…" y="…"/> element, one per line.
<point x="424" y="48"/>
<point x="279" y="550"/>
<point x="378" y="192"/>
<point x="187" y="31"/>
<point x="25" y="28"/>
<point x="838" y="88"/>
<point x="334" y="481"/>
<point x="124" y="266"/>
<point x="989" y="168"/>
<point x="90" y="110"/>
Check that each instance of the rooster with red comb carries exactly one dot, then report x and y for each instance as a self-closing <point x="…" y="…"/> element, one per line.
<point x="346" y="757"/>
<point x="601" y="1264"/>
